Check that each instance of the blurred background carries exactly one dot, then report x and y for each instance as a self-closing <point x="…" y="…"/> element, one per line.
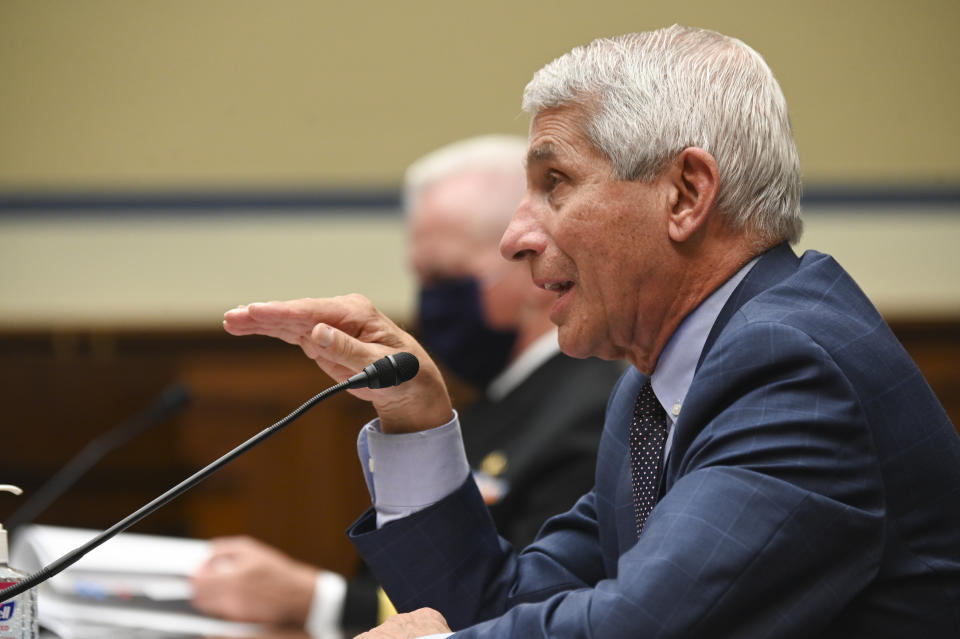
<point x="161" y="162"/>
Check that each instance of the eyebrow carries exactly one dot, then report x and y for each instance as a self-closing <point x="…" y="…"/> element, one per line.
<point x="542" y="153"/>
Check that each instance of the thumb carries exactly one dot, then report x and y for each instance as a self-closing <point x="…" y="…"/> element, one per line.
<point x="341" y="354"/>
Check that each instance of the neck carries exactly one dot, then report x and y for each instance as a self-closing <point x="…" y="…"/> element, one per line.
<point x="696" y="277"/>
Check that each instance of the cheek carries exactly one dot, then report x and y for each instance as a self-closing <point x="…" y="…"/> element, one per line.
<point x="607" y="290"/>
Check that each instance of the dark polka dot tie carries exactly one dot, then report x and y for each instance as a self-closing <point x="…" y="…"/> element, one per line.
<point x="648" y="435"/>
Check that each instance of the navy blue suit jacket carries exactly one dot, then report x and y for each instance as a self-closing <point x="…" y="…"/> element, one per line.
<point x="812" y="490"/>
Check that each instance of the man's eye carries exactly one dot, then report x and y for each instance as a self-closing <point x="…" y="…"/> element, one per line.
<point x="553" y="178"/>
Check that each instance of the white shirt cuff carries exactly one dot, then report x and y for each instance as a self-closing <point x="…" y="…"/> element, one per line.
<point x="326" y="610"/>
<point x="409" y="471"/>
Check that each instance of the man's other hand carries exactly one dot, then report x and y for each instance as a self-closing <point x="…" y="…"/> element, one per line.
<point x="247" y="580"/>
<point x="419" y="623"/>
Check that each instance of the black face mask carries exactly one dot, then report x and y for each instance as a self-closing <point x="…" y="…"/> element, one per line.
<point x="453" y="328"/>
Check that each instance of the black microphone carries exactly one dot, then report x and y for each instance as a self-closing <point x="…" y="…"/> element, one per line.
<point x="170" y="401"/>
<point x="387" y="371"/>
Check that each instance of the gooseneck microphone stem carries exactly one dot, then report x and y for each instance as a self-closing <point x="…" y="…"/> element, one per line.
<point x="72" y="557"/>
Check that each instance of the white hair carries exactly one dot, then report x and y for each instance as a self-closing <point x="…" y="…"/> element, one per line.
<point x="496" y="155"/>
<point x="650" y="95"/>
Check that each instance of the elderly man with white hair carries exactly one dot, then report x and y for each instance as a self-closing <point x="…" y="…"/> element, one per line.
<point x="773" y="464"/>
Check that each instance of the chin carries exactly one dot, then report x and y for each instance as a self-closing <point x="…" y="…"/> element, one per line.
<point x="576" y="345"/>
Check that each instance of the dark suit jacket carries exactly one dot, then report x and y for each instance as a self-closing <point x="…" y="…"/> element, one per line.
<point x="812" y="490"/>
<point x="547" y="429"/>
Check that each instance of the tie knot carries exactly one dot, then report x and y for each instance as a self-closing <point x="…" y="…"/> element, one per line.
<point x="647" y="402"/>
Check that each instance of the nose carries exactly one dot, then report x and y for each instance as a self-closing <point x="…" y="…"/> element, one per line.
<point x="523" y="239"/>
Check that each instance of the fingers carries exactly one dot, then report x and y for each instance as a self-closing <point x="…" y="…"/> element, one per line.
<point x="343" y="335"/>
<point x="340" y="354"/>
<point x="239" y="546"/>
<point x="292" y="320"/>
<point x="224" y="552"/>
<point x="417" y="405"/>
<point x="288" y="321"/>
<point x="425" y="621"/>
<point x="247" y="580"/>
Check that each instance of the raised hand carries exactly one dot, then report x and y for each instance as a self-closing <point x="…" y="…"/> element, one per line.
<point x="344" y="334"/>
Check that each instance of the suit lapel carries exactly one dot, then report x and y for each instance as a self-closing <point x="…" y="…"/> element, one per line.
<point x="773" y="266"/>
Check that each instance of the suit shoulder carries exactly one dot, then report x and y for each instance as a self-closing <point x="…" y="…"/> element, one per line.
<point x="821" y="300"/>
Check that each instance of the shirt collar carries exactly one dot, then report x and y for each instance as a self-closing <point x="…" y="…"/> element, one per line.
<point x="532" y="357"/>
<point x="678" y="362"/>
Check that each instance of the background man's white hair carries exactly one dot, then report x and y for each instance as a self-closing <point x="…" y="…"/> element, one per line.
<point x="498" y="156"/>
<point x="650" y="95"/>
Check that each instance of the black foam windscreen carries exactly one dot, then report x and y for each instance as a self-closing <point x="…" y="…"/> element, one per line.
<point x="392" y="370"/>
<point x="407" y="366"/>
<point x="387" y="371"/>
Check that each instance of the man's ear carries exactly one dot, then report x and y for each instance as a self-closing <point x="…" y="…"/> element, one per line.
<point x="696" y="179"/>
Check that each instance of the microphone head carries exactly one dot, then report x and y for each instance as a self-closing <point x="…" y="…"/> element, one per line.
<point x="173" y="398"/>
<point x="407" y="366"/>
<point x="387" y="371"/>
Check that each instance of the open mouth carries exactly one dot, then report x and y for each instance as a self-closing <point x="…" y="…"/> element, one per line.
<point x="558" y="287"/>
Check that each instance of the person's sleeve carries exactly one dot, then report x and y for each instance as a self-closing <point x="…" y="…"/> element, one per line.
<point x="361" y="606"/>
<point x="326" y="610"/>
<point x="408" y="472"/>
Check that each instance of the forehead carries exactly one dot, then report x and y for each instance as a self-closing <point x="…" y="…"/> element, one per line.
<point x="442" y="220"/>
<point x="557" y="135"/>
<point x="541" y="152"/>
<point x="443" y="228"/>
<point x="471" y="203"/>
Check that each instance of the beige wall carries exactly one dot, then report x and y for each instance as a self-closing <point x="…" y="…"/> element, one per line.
<point x="106" y="93"/>
<point x="237" y="94"/>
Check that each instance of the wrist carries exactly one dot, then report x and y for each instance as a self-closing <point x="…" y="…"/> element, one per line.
<point x="417" y="410"/>
<point x="393" y="424"/>
<point x="302" y="581"/>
